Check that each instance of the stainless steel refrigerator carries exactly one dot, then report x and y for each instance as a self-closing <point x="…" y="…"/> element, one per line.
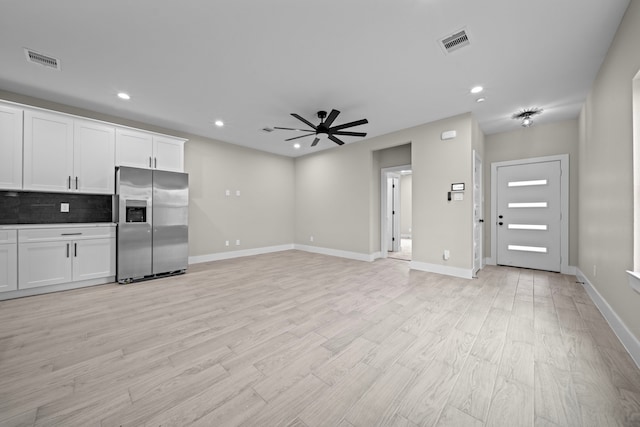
<point x="152" y="216"/>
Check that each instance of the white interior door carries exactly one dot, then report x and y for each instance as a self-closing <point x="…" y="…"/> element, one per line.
<point x="393" y="213"/>
<point x="528" y="221"/>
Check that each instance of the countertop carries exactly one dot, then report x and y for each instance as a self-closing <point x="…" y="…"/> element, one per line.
<point x="72" y="225"/>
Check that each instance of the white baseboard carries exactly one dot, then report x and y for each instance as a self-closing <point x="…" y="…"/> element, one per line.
<point x="336" y="252"/>
<point x="628" y="340"/>
<point x="238" y="254"/>
<point x="490" y="261"/>
<point x="442" y="269"/>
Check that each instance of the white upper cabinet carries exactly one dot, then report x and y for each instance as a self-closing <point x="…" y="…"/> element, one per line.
<point x="134" y="148"/>
<point x="48" y="151"/>
<point x="94" y="151"/>
<point x="149" y="151"/>
<point x="10" y="147"/>
<point x="62" y="154"/>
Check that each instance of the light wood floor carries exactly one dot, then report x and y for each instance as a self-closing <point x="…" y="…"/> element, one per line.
<point x="299" y="339"/>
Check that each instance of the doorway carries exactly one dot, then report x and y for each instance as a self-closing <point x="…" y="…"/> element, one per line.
<point x="529" y="210"/>
<point x="396" y="212"/>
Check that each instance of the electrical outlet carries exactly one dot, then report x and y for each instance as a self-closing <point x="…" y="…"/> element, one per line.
<point x="238" y="242"/>
<point x="311" y="238"/>
<point x="227" y="192"/>
<point x="446" y="254"/>
<point x="64" y="207"/>
<point x="238" y="193"/>
<point x="226" y="243"/>
<point x="595" y="271"/>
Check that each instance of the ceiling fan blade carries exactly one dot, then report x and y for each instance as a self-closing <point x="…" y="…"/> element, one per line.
<point x="315" y="141"/>
<point x="301" y="136"/>
<point x="332" y="116"/>
<point x="305" y="121"/>
<point x="299" y="130"/>
<point x="336" y="140"/>
<point x="348" y="125"/>
<point x="340" y="132"/>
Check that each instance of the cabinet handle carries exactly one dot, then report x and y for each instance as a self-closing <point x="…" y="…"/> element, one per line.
<point x="75" y="250"/>
<point x="76" y="182"/>
<point x="69" y="183"/>
<point x="67" y="250"/>
<point x="149" y="161"/>
<point x="155" y="162"/>
<point x="71" y="234"/>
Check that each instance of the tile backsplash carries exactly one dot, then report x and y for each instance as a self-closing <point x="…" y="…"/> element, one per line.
<point x="22" y="207"/>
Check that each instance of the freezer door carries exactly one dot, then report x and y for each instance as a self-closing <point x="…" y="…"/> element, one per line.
<point x="134" y="191"/>
<point x="134" y="250"/>
<point x="170" y="221"/>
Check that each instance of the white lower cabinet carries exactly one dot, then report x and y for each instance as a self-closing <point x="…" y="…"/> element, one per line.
<point x="8" y="260"/>
<point x="60" y="255"/>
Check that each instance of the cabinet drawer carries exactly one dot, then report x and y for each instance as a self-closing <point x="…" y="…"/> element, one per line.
<point x="57" y="234"/>
<point x="8" y="236"/>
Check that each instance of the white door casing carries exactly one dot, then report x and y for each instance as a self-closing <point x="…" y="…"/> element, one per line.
<point x="529" y="213"/>
<point x="478" y="207"/>
<point x="386" y="173"/>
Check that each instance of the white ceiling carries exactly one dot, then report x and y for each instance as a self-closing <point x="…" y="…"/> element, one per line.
<point x="252" y="63"/>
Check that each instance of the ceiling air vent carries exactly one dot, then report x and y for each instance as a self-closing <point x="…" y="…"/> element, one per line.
<point x="40" y="59"/>
<point x="454" y="42"/>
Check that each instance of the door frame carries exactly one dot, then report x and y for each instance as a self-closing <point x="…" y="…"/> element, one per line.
<point x="384" y="172"/>
<point x="564" y="206"/>
<point x="478" y="199"/>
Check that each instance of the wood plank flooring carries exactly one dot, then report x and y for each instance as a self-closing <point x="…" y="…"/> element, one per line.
<point x="301" y="340"/>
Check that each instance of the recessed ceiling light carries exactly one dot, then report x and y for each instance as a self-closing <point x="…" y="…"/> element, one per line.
<point x="481" y="99"/>
<point x="219" y="123"/>
<point x="124" y="95"/>
<point x="477" y="89"/>
<point x="296" y="146"/>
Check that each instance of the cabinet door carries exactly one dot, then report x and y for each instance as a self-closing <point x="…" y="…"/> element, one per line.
<point x="43" y="263"/>
<point x="48" y="151"/>
<point x="134" y="149"/>
<point x="94" y="147"/>
<point x="168" y="154"/>
<point x="93" y="259"/>
<point x="10" y="148"/>
<point x="8" y="267"/>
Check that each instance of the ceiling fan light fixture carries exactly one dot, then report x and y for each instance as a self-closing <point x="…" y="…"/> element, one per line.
<point x="525" y="116"/>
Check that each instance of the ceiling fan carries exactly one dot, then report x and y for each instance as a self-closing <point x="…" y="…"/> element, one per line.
<point x="324" y="129"/>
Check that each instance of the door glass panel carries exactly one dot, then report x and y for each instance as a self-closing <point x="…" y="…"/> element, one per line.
<point x="537" y="249"/>
<point x="527" y="227"/>
<point x="527" y="183"/>
<point x="528" y="205"/>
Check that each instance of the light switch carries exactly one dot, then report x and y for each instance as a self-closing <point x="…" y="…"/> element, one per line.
<point x="227" y="193"/>
<point x="237" y="192"/>
<point x="458" y="196"/>
<point x="64" y="207"/>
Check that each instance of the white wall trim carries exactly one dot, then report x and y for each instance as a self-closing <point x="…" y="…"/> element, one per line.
<point x="465" y="273"/>
<point x="238" y="254"/>
<point x="628" y="340"/>
<point x="336" y="252"/>
<point x="384" y="173"/>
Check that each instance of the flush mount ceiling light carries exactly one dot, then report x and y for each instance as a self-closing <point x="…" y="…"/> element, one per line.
<point x="525" y="116"/>
<point x="476" y="89"/>
<point x="296" y="146"/>
<point x="124" y="95"/>
<point x="219" y="123"/>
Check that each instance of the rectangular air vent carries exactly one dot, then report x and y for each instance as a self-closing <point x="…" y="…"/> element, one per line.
<point x="454" y="42"/>
<point x="40" y="59"/>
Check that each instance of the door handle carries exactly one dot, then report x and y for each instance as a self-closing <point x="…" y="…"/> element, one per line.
<point x="500" y="216"/>
<point x="500" y="223"/>
<point x="481" y="220"/>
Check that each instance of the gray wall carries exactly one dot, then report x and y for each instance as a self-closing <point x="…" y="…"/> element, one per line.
<point x="536" y="141"/>
<point x="606" y="174"/>
<point x="337" y="193"/>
